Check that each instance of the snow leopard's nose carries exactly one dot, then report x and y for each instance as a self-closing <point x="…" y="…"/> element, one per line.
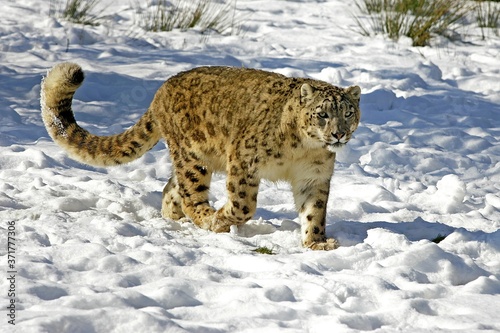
<point x="338" y="135"/>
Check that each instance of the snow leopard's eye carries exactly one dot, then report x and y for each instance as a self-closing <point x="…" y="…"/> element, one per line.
<point x="323" y="115"/>
<point x="349" y="113"/>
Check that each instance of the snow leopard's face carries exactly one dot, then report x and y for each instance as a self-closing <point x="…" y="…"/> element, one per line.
<point x="332" y="115"/>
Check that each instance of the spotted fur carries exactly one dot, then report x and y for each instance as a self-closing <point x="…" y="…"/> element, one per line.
<point x="248" y="123"/>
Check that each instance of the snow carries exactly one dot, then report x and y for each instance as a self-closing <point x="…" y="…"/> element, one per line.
<point x="94" y="255"/>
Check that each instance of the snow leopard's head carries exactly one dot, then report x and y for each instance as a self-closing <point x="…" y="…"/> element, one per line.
<point x="330" y="114"/>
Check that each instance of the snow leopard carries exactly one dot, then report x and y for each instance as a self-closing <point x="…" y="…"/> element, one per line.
<point x="247" y="123"/>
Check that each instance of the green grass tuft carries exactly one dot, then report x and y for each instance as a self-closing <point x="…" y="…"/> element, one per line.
<point x="264" y="250"/>
<point x="84" y="12"/>
<point x="418" y="19"/>
<point x="438" y="238"/>
<point x="206" y="15"/>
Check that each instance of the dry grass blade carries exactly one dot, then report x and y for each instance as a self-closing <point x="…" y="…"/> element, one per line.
<point x="488" y="16"/>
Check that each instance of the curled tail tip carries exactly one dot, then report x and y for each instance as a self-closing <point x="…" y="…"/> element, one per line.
<point x="66" y="74"/>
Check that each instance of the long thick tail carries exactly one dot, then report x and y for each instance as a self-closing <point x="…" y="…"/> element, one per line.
<point x="57" y="93"/>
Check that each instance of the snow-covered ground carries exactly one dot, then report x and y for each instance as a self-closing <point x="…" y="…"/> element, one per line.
<point x="92" y="253"/>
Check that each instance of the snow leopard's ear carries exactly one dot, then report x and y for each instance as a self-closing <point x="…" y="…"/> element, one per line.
<point x="306" y="93"/>
<point x="354" y="92"/>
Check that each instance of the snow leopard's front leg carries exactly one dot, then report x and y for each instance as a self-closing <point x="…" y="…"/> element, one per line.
<point x="311" y="198"/>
